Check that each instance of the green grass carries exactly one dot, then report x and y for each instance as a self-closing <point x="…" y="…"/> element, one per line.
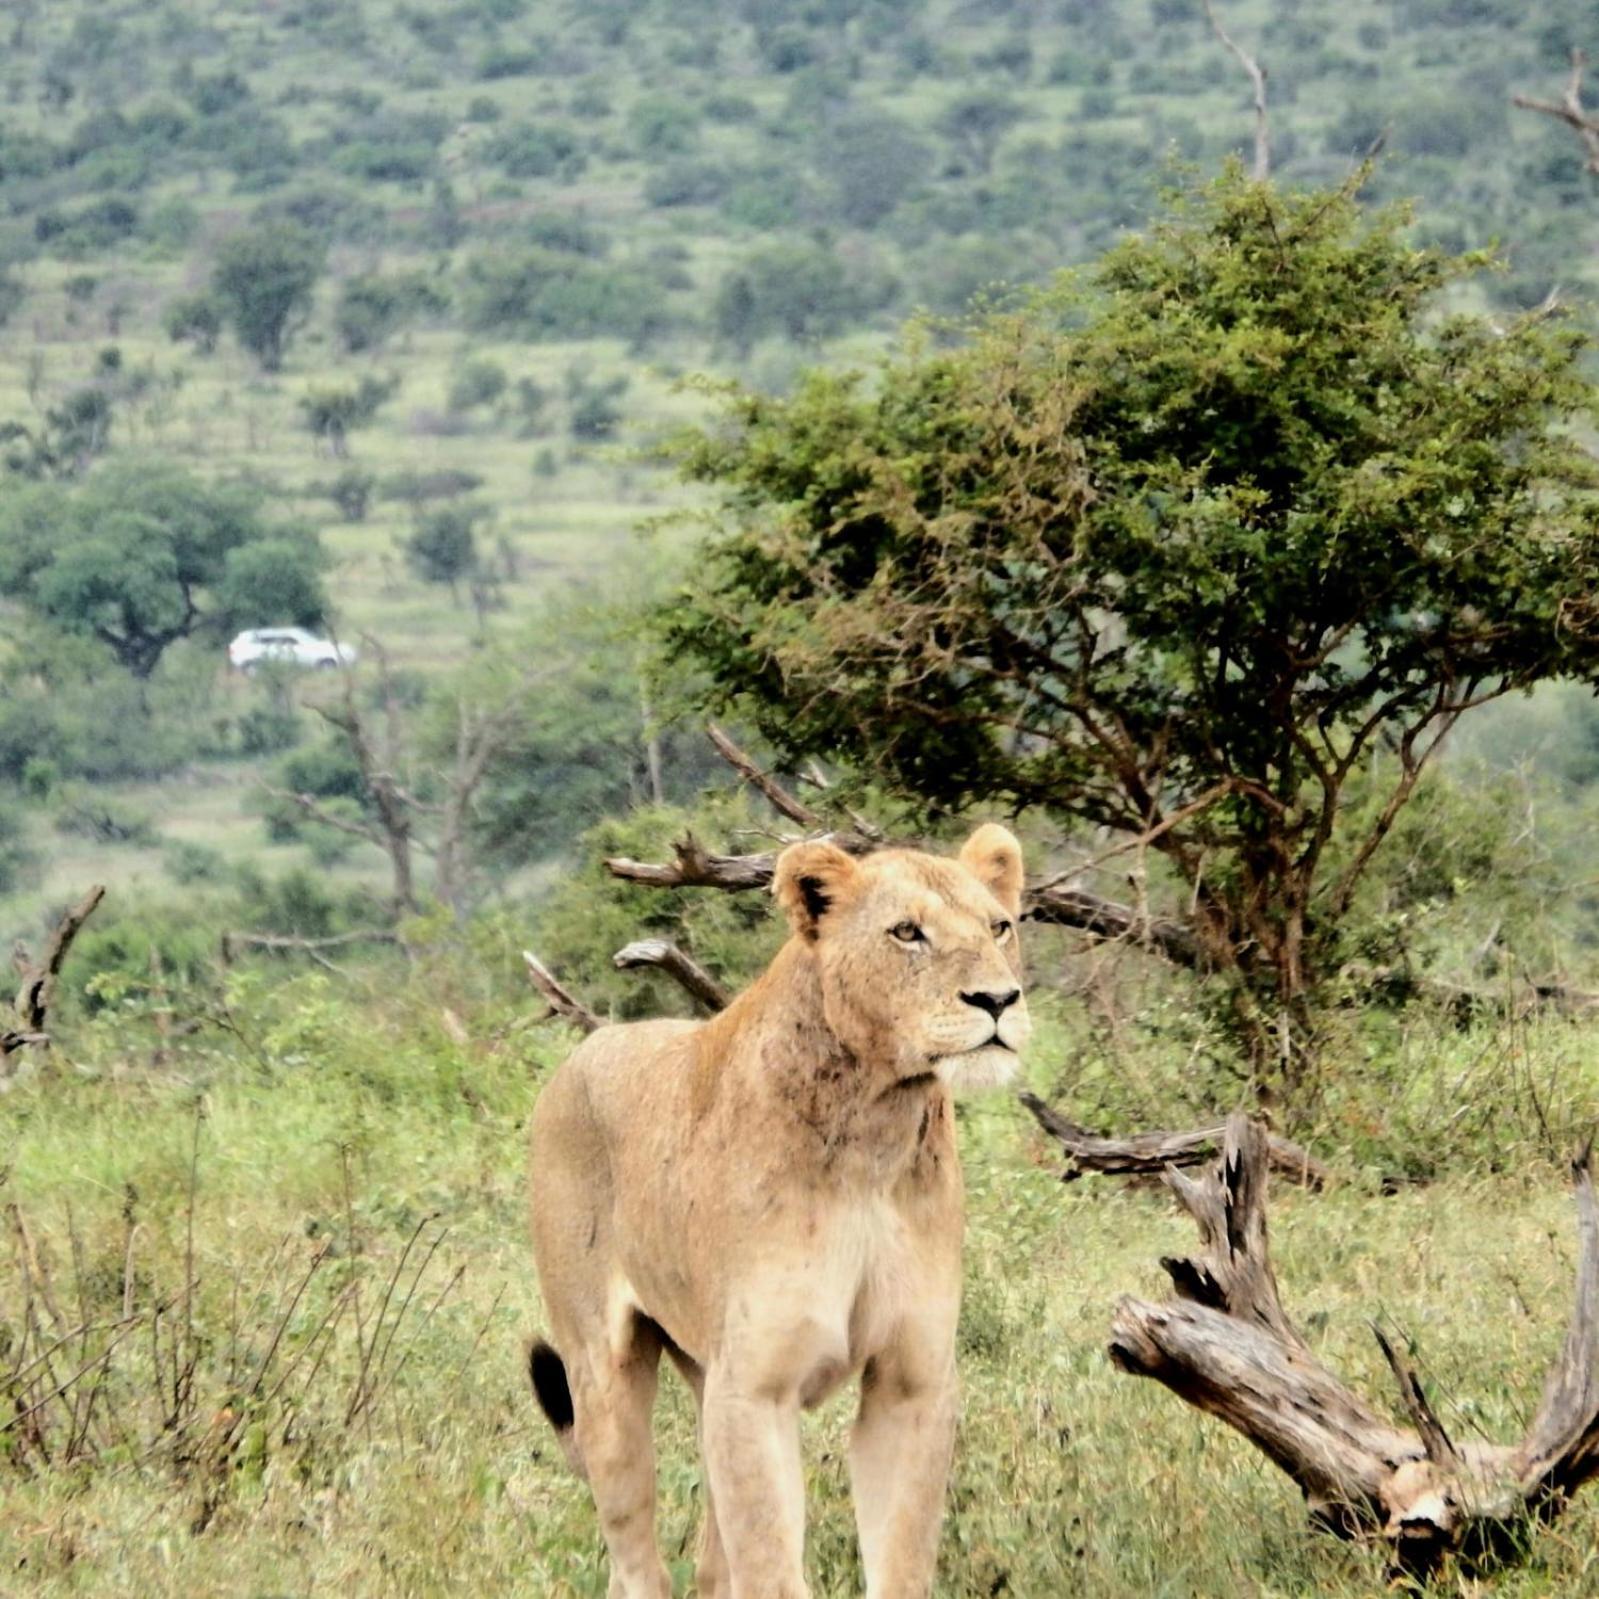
<point x="1070" y="1478"/>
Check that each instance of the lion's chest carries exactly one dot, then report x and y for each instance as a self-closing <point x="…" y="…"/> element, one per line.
<point x="870" y="1288"/>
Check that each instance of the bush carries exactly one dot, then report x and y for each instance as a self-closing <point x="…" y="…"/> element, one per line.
<point x="542" y="294"/>
<point x="536" y="150"/>
<point x="478" y="382"/>
<point x="18" y="857"/>
<point x="104" y="821"/>
<point x="373" y="306"/>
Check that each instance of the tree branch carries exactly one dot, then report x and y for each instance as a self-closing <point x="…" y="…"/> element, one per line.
<point x="32" y="1004"/>
<point x="1570" y="109"/>
<point x="561" y="1000"/>
<point x="681" y="968"/>
<point x="1153" y="1153"/>
<point x="693" y="866"/>
<point x="781" y="800"/>
<point x="1257" y="77"/>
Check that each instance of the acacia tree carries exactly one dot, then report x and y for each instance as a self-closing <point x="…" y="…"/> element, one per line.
<point x="1177" y="549"/>
<point x="264" y="280"/>
<point x="140" y="554"/>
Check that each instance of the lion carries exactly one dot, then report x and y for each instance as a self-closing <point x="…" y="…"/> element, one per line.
<point x="772" y="1198"/>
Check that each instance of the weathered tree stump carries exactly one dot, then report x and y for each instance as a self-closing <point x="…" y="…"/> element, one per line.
<point x="1227" y="1346"/>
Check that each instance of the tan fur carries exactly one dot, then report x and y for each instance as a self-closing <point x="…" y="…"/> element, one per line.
<point x="773" y="1198"/>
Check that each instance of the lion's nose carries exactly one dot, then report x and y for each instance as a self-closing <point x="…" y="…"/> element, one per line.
<point x="994" y="1002"/>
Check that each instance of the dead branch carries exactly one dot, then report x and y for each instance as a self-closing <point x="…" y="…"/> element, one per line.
<point x="1226" y="1346"/>
<point x="1257" y="77"/>
<point x="1570" y="109"/>
<point x="784" y="803"/>
<point x="562" y="1001"/>
<point x="693" y="866"/>
<point x="681" y="968"/>
<point x="31" y="1006"/>
<point x="1154" y="1153"/>
<point x="315" y="948"/>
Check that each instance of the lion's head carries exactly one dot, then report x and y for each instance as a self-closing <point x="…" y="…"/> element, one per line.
<point x="918" y="955"/>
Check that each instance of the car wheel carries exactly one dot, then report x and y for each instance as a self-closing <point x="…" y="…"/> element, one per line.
<point x="327" y="665"/>
<point x="250" y="668"/>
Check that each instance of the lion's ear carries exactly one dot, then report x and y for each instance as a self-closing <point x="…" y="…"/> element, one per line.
<point x="809" y="880"/>
<point x="994" y="858"/>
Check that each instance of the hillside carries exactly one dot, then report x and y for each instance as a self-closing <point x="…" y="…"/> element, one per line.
<point x="528" y="221"/>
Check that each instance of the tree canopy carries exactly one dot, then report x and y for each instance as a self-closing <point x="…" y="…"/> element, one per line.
<point x="140" y="554"/>
<point x="264" y="280"/>
<point x="1173" y="549"/>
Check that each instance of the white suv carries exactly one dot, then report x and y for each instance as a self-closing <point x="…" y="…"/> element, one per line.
<point x="286" y="646"/>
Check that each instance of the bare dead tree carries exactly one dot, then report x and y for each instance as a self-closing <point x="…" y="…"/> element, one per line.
<point x="402" y="823"/>
<point x="1227" y="1346"/>
<point x="36" y="991"/>
<point x="1257" y="77"/>
<point x="1570" y="110"/>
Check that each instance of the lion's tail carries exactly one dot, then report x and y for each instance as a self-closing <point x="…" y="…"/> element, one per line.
<point x="554" y="1395"/>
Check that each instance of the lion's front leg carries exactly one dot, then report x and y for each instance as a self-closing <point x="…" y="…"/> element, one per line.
<point x="900" y="1453"/>
<point x="752" y="1457"/>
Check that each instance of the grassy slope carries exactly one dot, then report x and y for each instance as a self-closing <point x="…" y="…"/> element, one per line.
<point x="1070" y="1477"/>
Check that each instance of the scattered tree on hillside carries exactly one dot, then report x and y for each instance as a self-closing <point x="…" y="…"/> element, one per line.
<point x="1176" y="551"/>
<point x="443" y="549"/>
<point x="140" y="554"/>
<point x="976" y="122"/>
<point x="332" y="414"/>
<point x="197" y="319"/>
<point x="265" y="278"/>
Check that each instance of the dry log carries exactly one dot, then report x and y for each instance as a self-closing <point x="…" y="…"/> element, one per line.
<point x="32" y="1004"/>
<point x="1226" y="1346"/>
<point x="561" y="1000"/>
<point x="681" y="968"/>
<point x="1152" y="1153"/>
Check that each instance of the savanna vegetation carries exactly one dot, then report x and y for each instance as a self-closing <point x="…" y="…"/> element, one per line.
<point x="557" y="360"/>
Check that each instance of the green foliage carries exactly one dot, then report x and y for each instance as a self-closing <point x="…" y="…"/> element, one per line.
<point x="1166" y="551"/>
<point x="443" y="548"/>
<point x="102" y="820"/>
<point x="18" y="857"/>
<point x="265" y="277"/>
<point x="331" y="414"/>
<point x="141" y="554"/>
<point x="549" y="294"/>
<point x="373" y="306"/>
<point x="477" y="382"/>
<point x="801" y="291"/>
<point x="536" y="150"/>
<point x="196" y="318"/>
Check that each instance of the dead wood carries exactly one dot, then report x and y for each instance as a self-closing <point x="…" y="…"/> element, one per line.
<point x="31" y="1007"/>
<point x="683" y="969"/>
<point x="1227" y="1346"/>
<point x="1153" y="1153"/>
<point x="1257" y="79"/>
<point x="561" y="1000"/>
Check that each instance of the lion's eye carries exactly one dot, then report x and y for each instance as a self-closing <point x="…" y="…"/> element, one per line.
<point x="908" y="933"/>
<point x="1001" y="931"/>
